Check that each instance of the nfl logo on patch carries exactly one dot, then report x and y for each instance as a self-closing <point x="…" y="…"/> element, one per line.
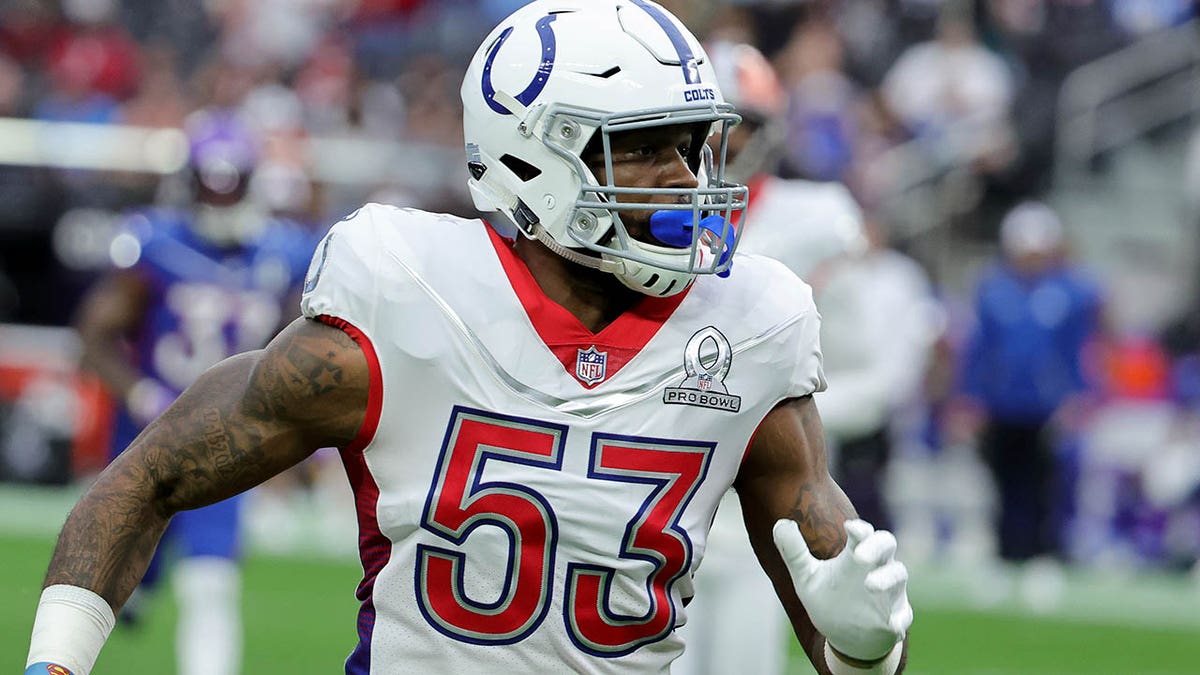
<point x="591" y="365"/>
<point x="704" y="382"/>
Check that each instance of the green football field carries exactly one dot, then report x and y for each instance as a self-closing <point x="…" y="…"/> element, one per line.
<point x="300" y="617"/>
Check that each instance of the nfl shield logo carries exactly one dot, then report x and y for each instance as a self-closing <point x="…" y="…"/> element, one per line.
<point x="590" y="365"/>
<point x="704" y="381"/>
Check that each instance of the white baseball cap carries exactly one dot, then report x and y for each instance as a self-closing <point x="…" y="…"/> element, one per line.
<point x="1031" y="227"/>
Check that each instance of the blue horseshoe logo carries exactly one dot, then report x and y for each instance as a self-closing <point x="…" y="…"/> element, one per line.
<point x="549" y="50"/>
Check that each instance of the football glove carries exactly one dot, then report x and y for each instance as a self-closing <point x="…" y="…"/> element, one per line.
<point x="858" y="599"/>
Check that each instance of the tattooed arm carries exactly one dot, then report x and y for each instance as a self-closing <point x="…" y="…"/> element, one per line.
<point x="245" y="420"/>
<point x="785" y="474"/>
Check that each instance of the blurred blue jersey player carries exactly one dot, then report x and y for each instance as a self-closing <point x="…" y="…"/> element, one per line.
<point x="194" y="285"/>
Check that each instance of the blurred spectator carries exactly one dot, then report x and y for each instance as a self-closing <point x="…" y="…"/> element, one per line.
<point x="1043" y="40"/>
<point x="23" y="190"/>
<point x="950" y="81"/>
<point x="879" y="131"/>
<point x="432" y="106"/>
<point x="281" y="32"/>
<point x="954" y="95"/>
<point x="1191" y="182"/>
<point x="389" y="33"/>
<point x="162" y="103"/>
<point x="161" y="100"/>
<point x="187" y="26"/>
<point x="12" y="84"/>
<point x="1139" y="472"/>
<point x="1024" y="370"/>
<point x="92" y="68"/>
<point x="870" y="36"/>
<point x="96" y="57"/>
<point x="820" y="119"/>
<point x="732" y="24"/>
<point x="1142" y="17"/>
<point x="28" y="29"/>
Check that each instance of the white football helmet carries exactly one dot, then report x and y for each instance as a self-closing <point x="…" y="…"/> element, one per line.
<point x="552" y="76"/>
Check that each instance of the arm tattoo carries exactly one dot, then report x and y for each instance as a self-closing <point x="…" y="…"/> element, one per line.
<point x="821" y="522"/>
<point x="244" y="421"/>
<point x="308" y="370"/>
<point x="320" y="375"/>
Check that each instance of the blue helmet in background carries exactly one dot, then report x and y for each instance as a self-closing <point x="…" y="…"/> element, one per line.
<point x="223" y="153"/>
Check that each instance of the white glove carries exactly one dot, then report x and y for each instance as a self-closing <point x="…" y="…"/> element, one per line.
<point x="857" y="599"/>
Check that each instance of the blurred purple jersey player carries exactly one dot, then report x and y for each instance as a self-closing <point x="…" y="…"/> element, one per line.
<point x="194" y="285"/>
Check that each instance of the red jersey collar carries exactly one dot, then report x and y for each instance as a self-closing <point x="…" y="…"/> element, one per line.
<point x="590" y="358"/>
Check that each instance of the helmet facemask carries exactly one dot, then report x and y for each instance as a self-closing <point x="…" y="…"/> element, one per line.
<point x="684" y="231"/>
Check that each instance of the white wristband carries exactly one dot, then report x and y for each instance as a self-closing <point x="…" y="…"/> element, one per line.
<point x="71" y="626"/>
<point x="888" y="666"/>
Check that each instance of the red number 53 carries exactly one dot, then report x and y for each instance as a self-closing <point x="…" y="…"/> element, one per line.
<point x="460" y="501"/>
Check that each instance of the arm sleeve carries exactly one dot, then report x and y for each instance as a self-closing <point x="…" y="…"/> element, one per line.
<point x="808" y="376"/>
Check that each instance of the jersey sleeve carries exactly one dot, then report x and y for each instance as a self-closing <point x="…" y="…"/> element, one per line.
<point x="837" y="226"/>
<point x="342" y="280"/>
<point x="846" y="220"/>
<point x="808" y="376"/>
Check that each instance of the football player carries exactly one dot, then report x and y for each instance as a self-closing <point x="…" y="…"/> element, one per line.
<point x="538" y="430"/>
<point x="192" y="286"/>
<point x="734" y="625"/>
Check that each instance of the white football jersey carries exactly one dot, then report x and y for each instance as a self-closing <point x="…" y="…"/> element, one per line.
<point x="533" y="497"/>
<point x="801" y="223"/>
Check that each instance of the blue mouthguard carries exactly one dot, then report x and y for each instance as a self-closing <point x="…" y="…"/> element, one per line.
<point x="674" y="228"/>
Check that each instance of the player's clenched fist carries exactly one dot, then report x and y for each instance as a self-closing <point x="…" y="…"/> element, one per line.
<point x="857" y="599"/>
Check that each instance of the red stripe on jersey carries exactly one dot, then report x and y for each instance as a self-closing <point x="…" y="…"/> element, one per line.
<point x="374" y="549"/>
<point x="565" y="336"/>
<point x="374" y="388"/>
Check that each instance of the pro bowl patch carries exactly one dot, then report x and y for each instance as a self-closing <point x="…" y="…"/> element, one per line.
<point x="704" y="386"/>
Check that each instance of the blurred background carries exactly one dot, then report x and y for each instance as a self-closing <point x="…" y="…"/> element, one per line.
<point x="1029" y="168"/>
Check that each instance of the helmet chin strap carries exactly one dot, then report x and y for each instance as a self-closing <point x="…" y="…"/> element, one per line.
<point x="613" y="266"/>
<point x="639" y="277"/>
<point x="650" y="279"/>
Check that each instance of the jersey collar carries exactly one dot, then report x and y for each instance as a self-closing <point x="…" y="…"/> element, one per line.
<point x="567" y="338"/>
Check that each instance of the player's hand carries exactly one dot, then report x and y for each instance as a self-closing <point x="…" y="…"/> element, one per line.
<point x="857" y="599"/>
